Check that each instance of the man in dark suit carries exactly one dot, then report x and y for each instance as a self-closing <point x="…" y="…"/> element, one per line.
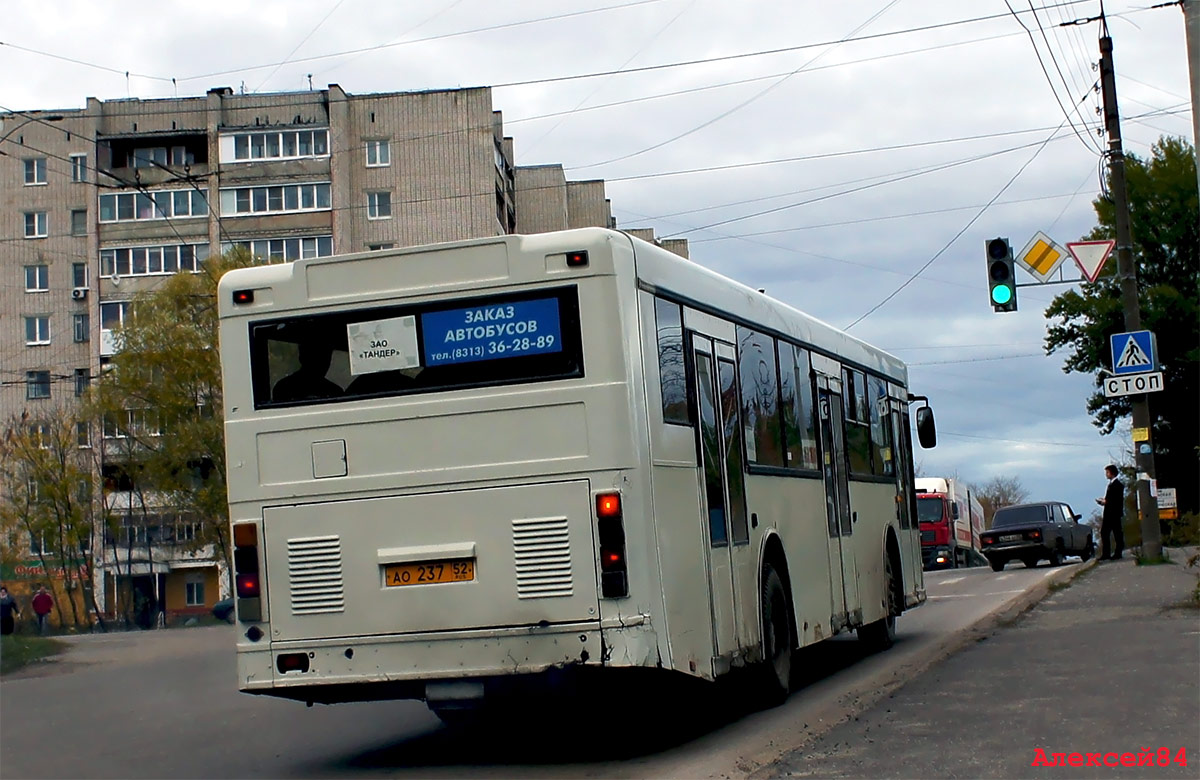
<point x="1114" y="514"/>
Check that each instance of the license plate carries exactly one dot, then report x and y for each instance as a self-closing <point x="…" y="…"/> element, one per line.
<point x="1010" y="538"/>
<point x="428" y="573"/>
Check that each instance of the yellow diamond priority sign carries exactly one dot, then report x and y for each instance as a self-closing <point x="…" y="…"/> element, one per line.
<point x="1042" y="256"/>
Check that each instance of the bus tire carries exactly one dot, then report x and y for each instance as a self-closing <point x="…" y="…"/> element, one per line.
<point x="775" y="669"/>
<point x="881" y="634"/>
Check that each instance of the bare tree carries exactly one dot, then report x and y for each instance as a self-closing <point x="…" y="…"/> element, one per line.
<point x="998" y="492"/>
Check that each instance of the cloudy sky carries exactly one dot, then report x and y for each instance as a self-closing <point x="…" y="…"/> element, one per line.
<point x="852" y="158"/>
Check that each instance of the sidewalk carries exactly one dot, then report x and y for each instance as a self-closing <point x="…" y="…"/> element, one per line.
<point x="1109" y="664"/>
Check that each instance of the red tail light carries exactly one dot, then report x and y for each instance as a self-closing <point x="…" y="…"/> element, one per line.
<point x="610" y="528"/>
<point x="608" y="505"/>
<point x="245" y="565"/>
<point x="292" y="662"/>
<point x="247" y="586"/>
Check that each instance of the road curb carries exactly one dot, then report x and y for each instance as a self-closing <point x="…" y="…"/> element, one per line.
<point x="870" y="691"/>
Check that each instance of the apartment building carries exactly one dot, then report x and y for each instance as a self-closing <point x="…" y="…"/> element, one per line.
<point x="99" y="203"/>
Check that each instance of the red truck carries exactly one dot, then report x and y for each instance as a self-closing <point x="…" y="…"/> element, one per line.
<point x="951" y="520"/>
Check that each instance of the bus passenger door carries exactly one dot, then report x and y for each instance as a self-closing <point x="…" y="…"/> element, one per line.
<point x="843" y="572"/>
<point x="743" y="556"/>
<point x="716" y="514"/>
<point x="910" y="531"/>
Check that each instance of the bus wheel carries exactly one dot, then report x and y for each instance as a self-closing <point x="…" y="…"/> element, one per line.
<point x="881" y="634"/>
<point x="776" y="667"/>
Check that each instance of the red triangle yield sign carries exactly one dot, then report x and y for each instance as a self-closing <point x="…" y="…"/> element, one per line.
<point x="1090" y="256"/>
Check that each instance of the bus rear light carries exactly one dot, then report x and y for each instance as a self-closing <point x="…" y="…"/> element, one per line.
<point x="608" y="505"/>
<point x="610" y="528"/>
<point x="243" y="296"/>
<point x="245" y="535"/>
<point x="1035" y="534"/>
<point x="247" y="586"/>
<point x="247" y="583"/>
<point x="292" y="662"/>
<point x="577" y="259"/>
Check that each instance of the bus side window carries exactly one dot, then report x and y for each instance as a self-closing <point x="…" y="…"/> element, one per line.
<point x="672" y="369"/>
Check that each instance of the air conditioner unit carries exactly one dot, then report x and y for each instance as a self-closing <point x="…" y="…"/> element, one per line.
<point x="79" y="293"/>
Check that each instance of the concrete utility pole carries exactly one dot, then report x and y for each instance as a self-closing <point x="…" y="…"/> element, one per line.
<point x="1191" y="26"/>
<point x="1127" y="274"/>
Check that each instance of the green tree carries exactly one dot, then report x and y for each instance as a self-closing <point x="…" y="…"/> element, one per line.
<point x="47" y="484"/>
<point x="1165" y="215"/>
<point x="161" y="399"/>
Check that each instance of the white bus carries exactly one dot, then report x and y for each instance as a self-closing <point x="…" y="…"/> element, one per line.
<point x="460" y="466"/>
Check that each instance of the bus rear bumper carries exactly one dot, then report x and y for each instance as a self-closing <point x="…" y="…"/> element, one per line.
<point x="392" y="667"/>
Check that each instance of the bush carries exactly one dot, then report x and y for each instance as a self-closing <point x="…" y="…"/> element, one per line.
<point x="1183" y="531"/>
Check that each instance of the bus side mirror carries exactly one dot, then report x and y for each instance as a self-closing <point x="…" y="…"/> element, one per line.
<point x="926" y="430"/>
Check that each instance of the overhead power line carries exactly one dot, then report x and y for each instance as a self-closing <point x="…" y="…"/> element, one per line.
<point x="443" y="36"/>
<point x="551" y="80"/>
<point x="965" y="227"/>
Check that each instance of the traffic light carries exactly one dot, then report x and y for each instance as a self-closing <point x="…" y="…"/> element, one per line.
<point x="1002" y="277"/>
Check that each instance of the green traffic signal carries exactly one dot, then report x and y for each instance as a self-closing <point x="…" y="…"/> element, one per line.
<point x="1002" y="281"/>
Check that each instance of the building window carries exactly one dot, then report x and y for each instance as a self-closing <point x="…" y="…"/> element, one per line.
<point x="82" y="328"/>
<point x="112" y="316"/>
<point x="379" y="154"/>
<point x="380" y="247"/>
<point x="275" y="200"/>
<point x="160" y="204"/>
<point x="82" y="379"/>
<point x="152" y="260"/>
<point x="37" y="330"/>
<point x="37" y="278"/>
<point x="379" y="205"/>
<point x="37" y="384"/>
<point x="279" y="145"/>
<point x="79" y="167"/>
<point x="195" y="593"/>
<point x="83" y="435"/>
<point x="79" y="275"/>
<point x="161" y="157"/>
<point x="39" y="434"/>
<point x="35" y="170"/>
<point x="285" y="250"/>
<point x="79" y="222"/>
<point x="36" y="224"/>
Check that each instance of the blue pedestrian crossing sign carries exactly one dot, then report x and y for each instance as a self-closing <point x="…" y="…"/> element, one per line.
<point x="1133" y="353"/>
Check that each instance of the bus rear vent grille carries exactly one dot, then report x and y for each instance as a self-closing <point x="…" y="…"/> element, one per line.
<point x="542" y="555"/>
<point x="315" y="575"/>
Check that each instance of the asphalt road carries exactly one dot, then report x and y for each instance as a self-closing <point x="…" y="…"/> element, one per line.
<point x="164" y="704"/>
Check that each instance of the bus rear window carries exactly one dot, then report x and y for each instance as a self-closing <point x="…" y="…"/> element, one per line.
<point x="363" y="353"/>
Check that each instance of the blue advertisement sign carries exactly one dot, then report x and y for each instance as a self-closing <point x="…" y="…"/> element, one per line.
<point x="1134" y="352"/>
<point x="490" y="332"/>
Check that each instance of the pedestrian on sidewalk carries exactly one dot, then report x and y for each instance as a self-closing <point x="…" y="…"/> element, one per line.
<point x="9" y="612"/>
<point x="43" y="602"/>
<point x="1114" y="515"/>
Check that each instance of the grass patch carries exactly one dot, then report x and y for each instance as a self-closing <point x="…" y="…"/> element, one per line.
<point x="1142" y="560"/>
<point x="17" y="651"/>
